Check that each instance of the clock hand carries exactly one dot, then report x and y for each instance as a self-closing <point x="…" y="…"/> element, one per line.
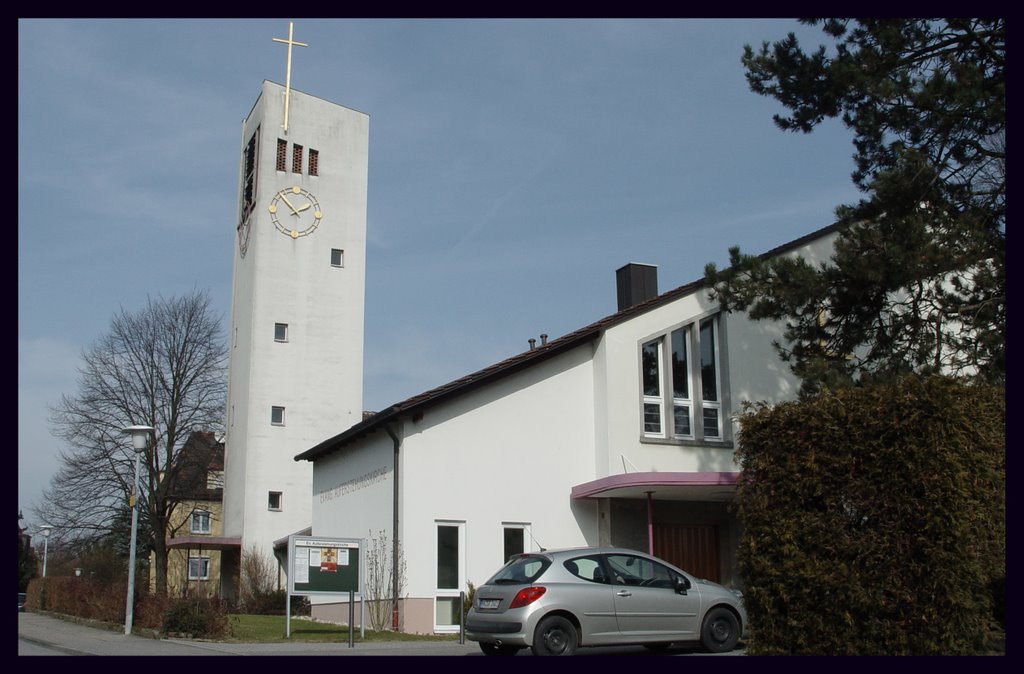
<point x="285" y="200"/>
<point x="302" y="208"/>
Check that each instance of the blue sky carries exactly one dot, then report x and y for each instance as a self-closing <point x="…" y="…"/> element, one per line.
<point x="514" y="166"/>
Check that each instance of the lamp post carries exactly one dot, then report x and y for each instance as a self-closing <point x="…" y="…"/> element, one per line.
<point x="140" y="435"/>
<point x="45" y="528"/>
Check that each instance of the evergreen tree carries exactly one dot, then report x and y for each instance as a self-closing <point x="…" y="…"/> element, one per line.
<point x="917" y="281"/>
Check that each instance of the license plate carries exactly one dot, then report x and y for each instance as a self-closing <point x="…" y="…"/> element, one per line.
<point x="489" y="603"/>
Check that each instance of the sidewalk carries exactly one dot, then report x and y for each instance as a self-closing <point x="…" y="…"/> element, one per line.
<point x="43" y="634"/>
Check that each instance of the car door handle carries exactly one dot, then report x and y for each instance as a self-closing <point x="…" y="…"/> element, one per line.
<point x="624" y="593"/>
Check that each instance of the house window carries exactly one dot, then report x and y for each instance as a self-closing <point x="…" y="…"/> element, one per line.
<point x="450" y="569"/>
<point x="282" y="154"/>
<point x="274" y="500"/>
<point x="199" y="568"/>
<point x="200" y="522"/>
<point x="314" y="162"/>
<point x="337" y="257"/>
<point x="672" y="394"/>
<point x="280" y="332"/>
<point x="277" y="416"/>
<point x="296" y="158"/>
<point x="514" y="539"/>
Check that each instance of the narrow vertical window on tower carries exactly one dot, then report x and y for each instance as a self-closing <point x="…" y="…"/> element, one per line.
<point x="314" y="162"/>
<point x="282" y="154"/>
<point x="296" y="158"/>
<point x="274" y="500"/>
<point x="277" y="416"/>
<point x="249" y="177"/>
<point x="337" y="257"/>
<point x="280" y="332"/>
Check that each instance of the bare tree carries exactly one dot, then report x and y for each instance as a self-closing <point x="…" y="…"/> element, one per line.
<point x="381" y="596"/>
<point x="163" y="366"/>
<point x="258" y="575"/>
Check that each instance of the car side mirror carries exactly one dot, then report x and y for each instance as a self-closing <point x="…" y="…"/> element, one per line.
<point x="682" y="584"/>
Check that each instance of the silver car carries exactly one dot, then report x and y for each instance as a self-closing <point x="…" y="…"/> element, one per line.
<point x="556" y="601"/>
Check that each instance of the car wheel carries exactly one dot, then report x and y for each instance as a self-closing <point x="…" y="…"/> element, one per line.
<point x="555" y="635"/>
<point x="720" y="631"/>
<point x="495" y="649"/>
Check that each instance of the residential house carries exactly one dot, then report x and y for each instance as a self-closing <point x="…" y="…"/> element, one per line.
<point x="196" y="541"/>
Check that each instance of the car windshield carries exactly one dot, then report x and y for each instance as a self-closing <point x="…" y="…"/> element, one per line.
<point x="520" y="570"/>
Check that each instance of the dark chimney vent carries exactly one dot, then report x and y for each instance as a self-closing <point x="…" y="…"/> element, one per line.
<point x="533" y="343"/>
<point x="543" y="340"/>
<point x="636" y="283"/>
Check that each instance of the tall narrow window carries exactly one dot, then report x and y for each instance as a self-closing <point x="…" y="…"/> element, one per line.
<point x="248" y="178"/>
<point x="514" y="541"/>
<point x="274" y="500"/>
<point x="282" y="154"/>
<point x="681" y="405"/>
<point x="449" y="573"/>
<point x="314" y="162"/>
<point x="651" y="366"/>
<point x="337" y="257"/>
<point x="280" y="332"/>
<point x="277" y="416"/>
<point x="709" y="380"/>
<point x="296" y="158"/>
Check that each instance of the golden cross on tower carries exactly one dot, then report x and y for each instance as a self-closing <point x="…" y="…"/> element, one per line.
<point x="288" y="73"/>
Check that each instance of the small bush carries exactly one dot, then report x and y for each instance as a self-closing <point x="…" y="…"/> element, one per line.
<point x="200" y="617"/>
<point x="272" y="603"/>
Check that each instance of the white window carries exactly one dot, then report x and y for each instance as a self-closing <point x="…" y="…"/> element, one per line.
<point x="274" y="500"/>
<point x="280" y="332"/>
<point x="451" y="564"/>
<point x="337" y="257"/>
<point x="514" y="539"/>
<point x="671" y="393"/>
<point x="198" y="568"/>
<point x="277" y="416"/>
<point x="200" y="522"/>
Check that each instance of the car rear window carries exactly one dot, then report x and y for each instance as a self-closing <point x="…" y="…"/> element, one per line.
<point x="520" y="570"/>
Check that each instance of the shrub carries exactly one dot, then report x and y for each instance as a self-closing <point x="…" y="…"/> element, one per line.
<point x="201" y="617"/>
<point x="272" y="603"/>
<point x="874" y="520"/>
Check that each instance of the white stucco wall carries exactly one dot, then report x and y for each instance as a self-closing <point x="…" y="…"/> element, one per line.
<point x="316" y="375"/>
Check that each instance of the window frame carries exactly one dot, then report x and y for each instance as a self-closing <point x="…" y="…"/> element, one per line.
<point x="199" y="514"/>
<point x="448" y="595"/>
<point x="664" y="401"/>
<point x="282" y="327"/>
<point x="341" y="257"/>
<point x="203" y="571"/>
<point x="270" y="501"/>
<point x="273" y="413"/>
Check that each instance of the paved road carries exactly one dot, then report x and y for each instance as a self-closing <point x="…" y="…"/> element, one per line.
<point x="46" y="635"/>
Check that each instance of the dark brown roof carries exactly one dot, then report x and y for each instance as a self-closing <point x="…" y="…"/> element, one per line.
<point x="201" y="454"/>
<point x="410" y="406"/>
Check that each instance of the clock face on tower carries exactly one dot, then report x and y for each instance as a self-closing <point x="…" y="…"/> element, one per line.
<point x="295" y="212"/>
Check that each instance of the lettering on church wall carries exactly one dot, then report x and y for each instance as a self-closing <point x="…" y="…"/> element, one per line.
<point x="355" y="484"/>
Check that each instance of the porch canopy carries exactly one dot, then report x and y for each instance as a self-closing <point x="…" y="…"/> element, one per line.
<point x="206" y="542"/>
<point x="666" y="485"/>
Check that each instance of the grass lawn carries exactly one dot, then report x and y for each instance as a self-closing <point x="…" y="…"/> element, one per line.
<point x="271" y="628"/>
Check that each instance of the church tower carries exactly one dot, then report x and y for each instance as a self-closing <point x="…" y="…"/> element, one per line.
<point x="295" y="372"/>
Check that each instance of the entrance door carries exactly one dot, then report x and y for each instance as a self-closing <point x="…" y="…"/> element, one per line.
<point x="691" y="547"/>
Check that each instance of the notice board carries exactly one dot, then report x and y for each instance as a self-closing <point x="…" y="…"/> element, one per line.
<point x="324" y="565"/>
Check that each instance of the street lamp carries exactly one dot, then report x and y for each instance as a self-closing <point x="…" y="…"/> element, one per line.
<point x="45" y="528"/>
<point x="140" y="435"/>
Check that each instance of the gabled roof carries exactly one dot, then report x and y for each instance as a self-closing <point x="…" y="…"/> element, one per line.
<point x="534" y="356"/>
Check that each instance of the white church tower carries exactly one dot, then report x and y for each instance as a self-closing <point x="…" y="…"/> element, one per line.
<point x="295" y="373"/>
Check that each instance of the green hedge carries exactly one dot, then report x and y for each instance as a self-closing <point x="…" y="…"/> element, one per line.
<point x="874" y="520"/>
